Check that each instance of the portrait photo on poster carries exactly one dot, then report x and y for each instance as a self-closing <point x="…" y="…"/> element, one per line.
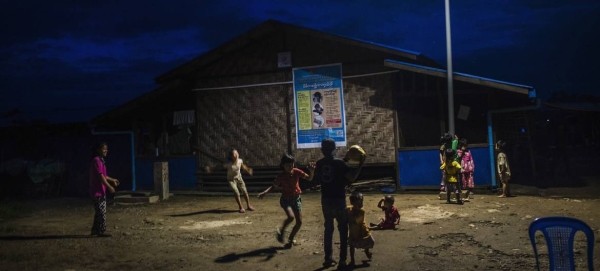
<point x="318" y="121"/>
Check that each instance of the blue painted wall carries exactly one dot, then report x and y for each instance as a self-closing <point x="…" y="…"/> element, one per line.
<point x="422" y="167"/>
<point x="182" y="172"/>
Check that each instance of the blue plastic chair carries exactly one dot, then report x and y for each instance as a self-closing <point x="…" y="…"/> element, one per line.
<point x="559" y="233"/>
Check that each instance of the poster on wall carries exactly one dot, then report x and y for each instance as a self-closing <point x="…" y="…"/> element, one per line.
<point x="319" y="105"/>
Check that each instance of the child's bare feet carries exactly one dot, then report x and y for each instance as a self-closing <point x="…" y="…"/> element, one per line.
<point x="502" y="196"/>
<point x="291" y="243"/>
<point x="369" y="254"/>
<point x="465" y="199"/>
<point x="279" y="236"/>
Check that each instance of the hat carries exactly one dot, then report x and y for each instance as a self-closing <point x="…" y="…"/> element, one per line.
<point x="328" y="146"/>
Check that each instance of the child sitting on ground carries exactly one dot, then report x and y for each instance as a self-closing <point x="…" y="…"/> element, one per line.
<point x="359" y="234"/>
<point x="392" y="216"/>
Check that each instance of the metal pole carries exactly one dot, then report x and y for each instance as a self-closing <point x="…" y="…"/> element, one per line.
<point x="450" y="79"/>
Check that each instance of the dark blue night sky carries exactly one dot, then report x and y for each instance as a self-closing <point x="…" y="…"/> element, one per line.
<point x="69" y="62"/>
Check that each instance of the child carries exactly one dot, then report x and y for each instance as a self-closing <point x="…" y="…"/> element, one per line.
<point x="446" y="141"/>
<point x="333" y="174"/>
<point x="234" y="177"/>
<point x="359" y="234"/>
<point x="452" y="170"/>
<point x="392" y="217"/>
<point x="503" y="168"/>
<point x="290" y="199"/>
<point x="467" y="168"/>
<point x="455" y="147"/>
<point x="99" y="183"/>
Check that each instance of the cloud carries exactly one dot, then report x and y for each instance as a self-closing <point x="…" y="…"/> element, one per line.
<point x="62" y="53"/>
<point x="559" y="55"/>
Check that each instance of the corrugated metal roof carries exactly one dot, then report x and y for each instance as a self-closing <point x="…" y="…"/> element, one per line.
<point x="524" y="89"/>
<point x="575" y="106"/>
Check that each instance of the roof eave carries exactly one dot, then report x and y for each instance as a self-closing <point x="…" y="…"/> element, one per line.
<point x="521" y="89"/>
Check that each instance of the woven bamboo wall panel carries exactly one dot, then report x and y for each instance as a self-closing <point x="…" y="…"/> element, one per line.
<point x="369" y="119"/>
<point x="260" y="130"/>
<point x="251" y="120"/>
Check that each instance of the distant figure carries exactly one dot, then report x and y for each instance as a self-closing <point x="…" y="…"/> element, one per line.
<point x="455" y="147"/>
<point x="503" y="168"/>
<point x="467" y="168"/>
<point x="360" y="236"/>
<point x="452" y="170"/>
<point x="99" y="183"/>
<point x="561" y="149"/>
<point x="446" y="143"/>
<point x="392" y="216"/>
<point x="290" y="201"/>
<point x="234" y="177"/>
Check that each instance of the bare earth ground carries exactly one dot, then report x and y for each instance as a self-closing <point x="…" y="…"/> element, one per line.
<point x="207" y="233"/>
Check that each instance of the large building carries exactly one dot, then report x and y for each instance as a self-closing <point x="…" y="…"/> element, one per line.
<point x="241" y="95"/>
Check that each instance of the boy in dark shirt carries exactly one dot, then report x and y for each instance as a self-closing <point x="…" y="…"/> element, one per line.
<point x="334" y="175"/>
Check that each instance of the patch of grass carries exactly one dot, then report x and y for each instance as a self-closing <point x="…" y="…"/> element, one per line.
<point x="12" y="211"/>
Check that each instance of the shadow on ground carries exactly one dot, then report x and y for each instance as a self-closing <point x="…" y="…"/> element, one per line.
<point x="212" y="211"/>
<point x="44" y="237"/>
<point x="267" y="253"/>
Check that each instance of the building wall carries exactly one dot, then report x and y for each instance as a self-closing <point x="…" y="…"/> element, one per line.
<point x="420" y="167"/>
<point x="74" y="152"/>
<point x="181" y="173"/>
<point x="260" y="122"/>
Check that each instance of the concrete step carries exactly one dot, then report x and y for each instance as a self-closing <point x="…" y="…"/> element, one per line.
<point x="136" y="198"/>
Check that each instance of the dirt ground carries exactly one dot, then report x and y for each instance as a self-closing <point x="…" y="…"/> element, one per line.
<point x="207" y="233"/>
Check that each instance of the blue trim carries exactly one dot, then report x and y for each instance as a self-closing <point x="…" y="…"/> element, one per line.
<point x="421" y="167"/>
<point x="491" y="148"/>
<point x="491" y="132"/>
<point x="462" y="74"/>
<point x="182" y="172"/>
<point x="130" y="133"/>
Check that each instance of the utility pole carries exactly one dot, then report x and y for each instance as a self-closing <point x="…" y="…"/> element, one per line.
<point x="450" y="77"/>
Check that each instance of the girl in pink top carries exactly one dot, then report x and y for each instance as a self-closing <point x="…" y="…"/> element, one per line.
<point x="290" y="201"/>
<point x="99" y="183"/>
<point x="467" y="168"/>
